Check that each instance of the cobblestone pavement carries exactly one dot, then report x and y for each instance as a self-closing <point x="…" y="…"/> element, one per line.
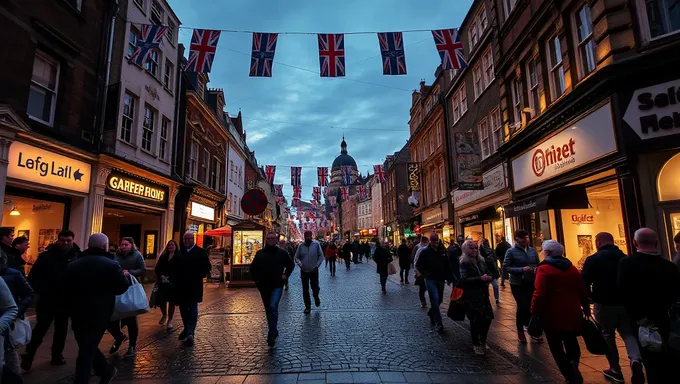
<point x="357" y="335"/>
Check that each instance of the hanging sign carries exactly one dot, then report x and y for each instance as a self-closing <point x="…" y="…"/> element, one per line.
<point x="413" y="177"/>
<point x="468" y="161"/>
<point x="494" y="180"/>
<point x="655" y="111"/>
<point x="202" y="211"/>
<point x="135" y="188"/>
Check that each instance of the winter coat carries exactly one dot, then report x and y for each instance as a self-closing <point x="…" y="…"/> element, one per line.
<point x="347" y="251"/>
<point x="8" y="308"/>
<point x="332" y="252"/>
<point x="491" y="262"/>
<point x="475" y="290"/>
<point x="404" y="255"/>
<point x="48" y="273"/>
<point x="132" y="261"/>
<point x="14" y="259"/>
<point x="269" y="265"/>
<point x="516" y="258"/>
<point x="501" y="250"/>
<point x="382" y="258"/>
<point x="191" y="267"/>
<point x="309" y="257"/>
<point x="164" y="267"/>
<point x="433" y="264"/>
<point x="560" y="297"/>
<point x="21" y="290"/>
<point x="600" y="273"/>
<point x="455" y="252"/>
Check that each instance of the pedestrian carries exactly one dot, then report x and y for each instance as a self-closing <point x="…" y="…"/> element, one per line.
<point x="347" y="254"/>
<point x="600" y="274"/>
<point x="559" y="303"/>
<point x="47" y="277"/>
<point x="491" y="267"/>
<point x="20" y="245"/>
<point x="191" y="266"/>
<point x="332" y="256"/>
<point x="455" y="251"/>
<point x="14" y="259"/>
<point x="474" y="281"/>
<point x="8" y="314"/>
<point x="270" y="268"/>
<point x="132" y="263"/>
<point x="367" y="250"/>
<point x="382" y="259"/>
<point x="284" y="246"/>
<point x="433" y="264"/>
<point x="521" y="262"/>
<point x="22" y="293"/>
<point x="404" y="255"/>
<point x="500" y="251"/>
<point x="648" y="284"/>
<point x="92" y="283"/>
<point x="309" y="257"/>
<point x="164" y="267"/>
<point x="355" y="251"/>
<point x="422" y="242"/>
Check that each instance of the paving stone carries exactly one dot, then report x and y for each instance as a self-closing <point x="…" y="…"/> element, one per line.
<point x="417" y="377"/>
<point x="366" y="377"/>
<point x="339" y="378"/>
<point x="392" y="377"/>
<point x="312" y="376"/>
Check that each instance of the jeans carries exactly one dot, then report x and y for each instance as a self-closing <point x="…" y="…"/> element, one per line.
<point x="494" y="285"/>
<point x="522" y="294"/>
<point x="45" y="317"/>
<point x="479" y="329"/>
<point x="189" y="314"/>
<point x="383" y="280"/>
<point x="565" y="350"/>
<point x="613" y="318"/>
<point x="89" y="355"/>
<point x="403" y="272"/>
<point x="308" y="277"/>
<point x="270" y="300"/>
<point x="421" y="291"/>
<point x="435" y="289"/>
<point x="132" y="326"/>
<point x="333" y="265"/>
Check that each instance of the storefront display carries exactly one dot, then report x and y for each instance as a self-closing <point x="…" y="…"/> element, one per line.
<point x="246" y="244"/>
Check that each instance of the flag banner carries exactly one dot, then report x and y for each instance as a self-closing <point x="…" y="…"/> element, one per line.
<point x="322" y="173"/>
<point x="202" y="50"/>
<point x="450" y="48"/>
<point x="326" y="191"/>
<point x="333" y="201"/>
<point x="331" y="54"/>
<point x="152" y="36"/>
<point x="344" y="191"/>
<point x="295" y="176"/>
<point x="380" y="173"/>
<point x="362" y="192"/>
<point x="316" y="192"/>
<point x="346" y="174"/>
<point x="296" y="202"/>
<point x="392" y="51"/>
<point x="297" y="192"/>
<point x="262" y="57"/>
<point x="270" y="172"/>
<point x="278" y="189"/>
<point x="468" y="161"/>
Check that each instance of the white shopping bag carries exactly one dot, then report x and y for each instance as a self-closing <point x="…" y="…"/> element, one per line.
<point x="131" y="303"/>
<point x="21" y="334"/>
<point x="650" y="339"/>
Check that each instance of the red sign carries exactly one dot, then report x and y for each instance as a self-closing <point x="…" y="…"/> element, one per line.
<point x="254" y="202"/>
<point x="551" y="155"/>
<point x="582" y="219"/>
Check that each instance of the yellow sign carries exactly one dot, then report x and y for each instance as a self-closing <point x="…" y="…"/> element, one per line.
<point x="126" y="185"/>
<point x="37" y="165"/>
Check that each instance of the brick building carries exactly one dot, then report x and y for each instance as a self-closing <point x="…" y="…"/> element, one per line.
<point x="397" y="215"/>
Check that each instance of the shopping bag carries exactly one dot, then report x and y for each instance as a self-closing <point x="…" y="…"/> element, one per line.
<point x="650" y="338"/>
<point x="21" y="334"/>
<point x="456" y="294"/>
<point x="535" y="329"/>
<point x="154" y="295"/>
<point x="456" y="311"/>
<point x="593" y="338"/>
<point x="131" y="303"/>
<point x="391" y="269"/>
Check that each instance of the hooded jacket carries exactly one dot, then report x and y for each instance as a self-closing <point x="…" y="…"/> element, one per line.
<point x="268" y="267"/>
<point x="309" y="257"/>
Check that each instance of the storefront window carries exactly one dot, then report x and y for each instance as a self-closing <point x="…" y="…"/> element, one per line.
<point x="134" y="222"/>
<point x="246" y="244"/>
<point x="543" y="228"/>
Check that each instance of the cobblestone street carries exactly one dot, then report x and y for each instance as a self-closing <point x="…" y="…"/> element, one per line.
<point x="357" y="335"/>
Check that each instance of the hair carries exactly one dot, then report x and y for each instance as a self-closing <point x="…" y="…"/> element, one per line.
<point x="646" y="237"/>
<point x="520" y="233"/>
<point x="605" y="237"/>
<point x="66" y="233"/>
<point x="466" y="257"/>
<point x="676" y="238"/>
<point x="165" y="251"/>
<point x="131" y="241"/>
<point x="97" y="240"/>
<point x="485" y="242"/>
<point x="553" y="248"/>
<point x="19" y="240"/>
<point x="306" y="232"/>
<point x="6" y="231"/>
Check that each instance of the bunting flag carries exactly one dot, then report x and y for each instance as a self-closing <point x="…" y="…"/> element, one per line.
<point x="297" y="192"/>
<point x="378" y="171"/>
<point x="295" y="176"/>
<point x="270" y="172"/>
<point x="202" y="50"/>
<point x="152" y="36"/>
<point x="345" y="193"/>
<point x="326" y="191"/>
<point x="450" y="48"/>
<point x="316" y="193"/>
<point x="278" y="189"/>
<point x="262" y="57"/>
<point x="346" y="174"/>
<point x="279" y="200"/>
<point x="392" y="51"/>
<point x="362" y="192"/>
<point x="333" y="201"/>
<point x="331" y="54"/>
<point x="322" y="173"/>
<point x="296" y="202"/>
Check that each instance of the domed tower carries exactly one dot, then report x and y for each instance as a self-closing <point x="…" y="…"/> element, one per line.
<point x="342" y="160"/>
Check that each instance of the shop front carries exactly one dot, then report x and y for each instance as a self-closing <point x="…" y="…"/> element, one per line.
<point x="247" y="239"/>
<point x="436" y="220"/>
<point x="368" y="234"/>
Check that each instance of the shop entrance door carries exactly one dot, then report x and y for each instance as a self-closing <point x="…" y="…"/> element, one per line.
<point x="132" y="230"/>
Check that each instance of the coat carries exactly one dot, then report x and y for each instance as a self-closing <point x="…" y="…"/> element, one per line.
<point x="269" y="266"/>
<point x="516" y="258"/>
<point x="382" y="258"/>
<point x="21" y="290"/>
<point x="14" y="259"/>
<point x="433" y="264"/>
<point x="601" y="271"/>
<point x="501" y="250"/>
<point x="475" y="290"/>
<point x="491" y="262"/>
<point x="48" y="273"/>
<point x="133" y="262"/>
<point x="165" y="267"/>
<point x="187" y="276"/>
<point x="560" y="297"/>
<point x="404" y="255"/>
<point x="309" y="257"/>
<point x="332" y="252"/>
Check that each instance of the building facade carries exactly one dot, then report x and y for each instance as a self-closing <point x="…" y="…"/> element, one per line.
<point x="237" y="163"/>
<point x="398" y="215"/>
<point x="364" y="212"/>
<point x="377" y="221"/>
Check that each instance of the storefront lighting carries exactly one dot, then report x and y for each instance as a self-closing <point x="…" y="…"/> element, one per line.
<point x="597" y="212"/>
<point x="14" y="212"/>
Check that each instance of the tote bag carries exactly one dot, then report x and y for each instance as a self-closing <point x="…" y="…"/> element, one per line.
<point x="131" y="303"/>
<point x="593" y="338"/>
<point x="21" y="334"/>
<point x="391" y="269"/>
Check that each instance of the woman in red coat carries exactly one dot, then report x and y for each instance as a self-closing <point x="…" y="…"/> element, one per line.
<point x="559" y="302"/>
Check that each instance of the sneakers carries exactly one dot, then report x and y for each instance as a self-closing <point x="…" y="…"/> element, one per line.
<point x="116" y="345"/>
<point x="638" y="376"/>
<point x="308" y="311"/>
<point x="189" y="341"/>
<point x="58" y="360"/>
<point x="131" y="352"/>
<point x="613" y="376"/>
<point x="109" y="378"/>
<point x="317" y="301"/>
<point x="537" y="340"/>
<point x="521" y="337"/>
<point x="26" y="361"/>
<point x="479" y="350"/>
<point x="162" y="320"/>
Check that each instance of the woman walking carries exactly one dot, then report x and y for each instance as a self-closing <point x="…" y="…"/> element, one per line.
<point x="163" y="271"/>
<point x="347" y="254"/>
<point x="475" y="280"/>
<point x="382" y="259"/>
<point x="559" y="302"/>
<point x="332" y="256"/>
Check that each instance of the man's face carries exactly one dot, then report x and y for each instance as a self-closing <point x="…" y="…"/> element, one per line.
<point x="22" y="247"/>
<point x="272" y="239"/>
<point x="523" y="241"/>
<point x="308" y="237"/>
<point x="65" y="243"/>
<point x="8" y="239"/>
<point x="282" y="243"/>
<point x="188" y="240"/>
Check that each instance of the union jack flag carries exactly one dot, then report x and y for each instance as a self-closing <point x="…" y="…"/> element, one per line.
<point x="332" y="54"/>
<point x="278" y="189"/>
<point x="363" y="193"/>
<point x="296" y="202"/>
<point x="322" y="173"/>
<point x="295" y="176"/>
<point x="392" y="51"/>
<point x="152" y="36"/>
<point x="270" y="172"/>
<point x="378" y="170"/>
<point x="345" y="193"/>
<point x="202" y="50"/>
<point x="262" y="58"/>
<point x="450" y="48"/>
<point x="279" y="200"/>
<point x="316" y="192"/>
<point x="297" y="192"/>
<point x="332" y="199"/>
<point x="346" y="174"/>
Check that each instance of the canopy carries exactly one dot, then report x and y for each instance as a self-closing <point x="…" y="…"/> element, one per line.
<point x="223" y="231"/>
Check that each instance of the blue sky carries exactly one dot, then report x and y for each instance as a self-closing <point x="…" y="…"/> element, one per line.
<point x="297" y="118"/>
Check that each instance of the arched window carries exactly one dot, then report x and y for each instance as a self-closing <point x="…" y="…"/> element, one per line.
<point x="668" y="182"/>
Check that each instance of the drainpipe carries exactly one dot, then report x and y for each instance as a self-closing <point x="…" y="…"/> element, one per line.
<point x="100" y="127"/>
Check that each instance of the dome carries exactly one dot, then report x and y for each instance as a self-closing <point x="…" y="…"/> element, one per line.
<point x="343" y="159"/>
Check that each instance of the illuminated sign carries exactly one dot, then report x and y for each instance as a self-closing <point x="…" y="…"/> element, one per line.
<point x="127" y="186"/>
<point x="413" y="177"/>
<point x="202" y="211"/>
<point x="39" y="166"/>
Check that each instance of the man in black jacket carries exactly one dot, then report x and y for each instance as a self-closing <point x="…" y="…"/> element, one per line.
<point x="433" y="264"/>
<point x="501" y="250"/>
<point x="270" y="270"/>
<point x="91" y="285"/>
<point x="404" y="255"/>
<point x="600" y="273"/>
<point x="7" y="241"/>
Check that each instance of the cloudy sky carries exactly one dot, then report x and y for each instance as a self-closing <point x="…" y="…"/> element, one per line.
<point x="297" y="118"/>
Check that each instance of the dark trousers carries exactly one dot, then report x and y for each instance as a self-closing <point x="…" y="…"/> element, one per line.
<point x="403" y="272"/>
<point x="332" y="261"/>
<point x="270" y="300"/>
<point x="45" y="317"/>
<point x="565" y="350"/>
<point x="522" y="294"/>
<point x="326" y="262"/>
<point x="479" y="329"/>
<point x="421" y="291"/>
<point x="132" y="327"/>
<point x="89" y="355"/>
<point x="383" y="280"/>
<point x="308" y="277"/>
<point x="189" y="313"/>
<point x="347" y="261"/>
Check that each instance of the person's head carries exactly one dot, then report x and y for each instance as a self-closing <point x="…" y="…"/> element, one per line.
<point x="171" y="247"/>
<point x="646" y="240"/>
<point x="424" y="240"/>
<point x="434" y="240"/>
<point x="470" y="251"/>
<point x="98" y="240"/>
<point x="603" y="238"/>
<point x="552" y="248"/>
<point x="522" y="238"/>
<point x="460" y="240"/>
<point x="188" y="239"/>
<point x="6" y="235"/>
<point x="308" y="237"/>
<point x="403" y="241"/>
<point x="21" y="244"/>
<point x="485" y="243"/>
<point x="272" y="239"/>
<point x="282" y="243"/>
<point x="65" y="240"/>
<point x="127" y="245"/>
<point x="676" y="240"/>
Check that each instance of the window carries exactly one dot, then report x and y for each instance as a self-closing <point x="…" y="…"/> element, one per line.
<point x="152" y="63"/>
<point x="586" y="45"/>
<point x="140" y="3"/>
<point x="556" y="70"/>
<point x="220" y="177"/>
<point x="42" y="96"/>
<point x="205" y="167"/>
<point x="477" y="80"/>
<point x="170" y="32"/>
<point x="163" y="146"/>
<point x="484" y="137"/>
<point x="231" y="170"/>
<point x="193" y="160"/>
<point x="156" y="13"/>
<point x="663" y="17"/>
<point x="474" y="37"/>
<point x="229" y="199"/>
<point x="167" y="77"/>
<point x="439" y="135"/>
<point x="147" y="128"/>
<point x="487" y="63"/>
<point x="132" y="41"/>
<point x="483" y="73"/>
<point x="483" y="21"/>
<point x="508" y="6"/>
<point x="517" y="100"/>
<point x="496" y="130"/>
<point x="477" y="28"/>
<point x="459" y="101"/>
<point x="431" y="142"/>
<point x="532" y="84"/>
<point x="442" y="182"/>
<point x="214" y="172"/>
<point x="129" y="104"/>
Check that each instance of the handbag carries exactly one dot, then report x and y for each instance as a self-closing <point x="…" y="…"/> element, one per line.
<point x="154" y="295"/>
<point x="650" y="338"/>
<point x="593" y="338"/>
<point x="131" y="303"/>
<point x="21" y="334"/>
<point x="391" y="269"/>
<point x="457" y="306"/>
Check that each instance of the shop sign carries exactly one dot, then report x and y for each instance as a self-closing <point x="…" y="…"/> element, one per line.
<point x="433" y="215"/>
<point x="494" y="180"/>
<point x="29" y="163"/>
<point x="587" y="140"/>
<point x="468" y="161"/>
<point x="582" y="219"/>
<point x="655" y="111"/>
<point x="202" y="211"/>
<point x="413" y="177"/>
<point x="193" y="228"/>
<point x="131" y="187"/>
<point x="467" y="219"/>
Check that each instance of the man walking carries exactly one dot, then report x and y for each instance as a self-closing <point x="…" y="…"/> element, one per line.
<point x="270" y="270"/>
<point x="600" y="273"/>
<point x="420" y="280"/>
<point x="309" y="257"/>
<point x="92" y="283"/>
<point x="191" y="267"/>
<point x="404" y="255"/>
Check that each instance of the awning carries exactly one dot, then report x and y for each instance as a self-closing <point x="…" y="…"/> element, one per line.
<point x="569" y="197"/>
<point x="486" y="214"/>
<point x="222" y="231"/>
